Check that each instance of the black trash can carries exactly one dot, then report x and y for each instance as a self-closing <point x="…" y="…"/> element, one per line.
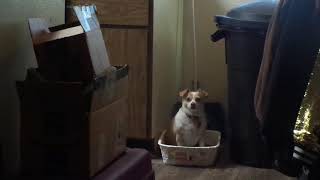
<point x="244" y="30"/>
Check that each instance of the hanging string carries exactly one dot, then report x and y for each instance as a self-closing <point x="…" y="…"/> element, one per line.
<point x="178" y="39"/>
<point x="195" y="55"/>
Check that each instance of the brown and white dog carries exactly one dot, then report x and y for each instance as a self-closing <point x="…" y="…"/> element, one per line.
<point x="190" y="123"/>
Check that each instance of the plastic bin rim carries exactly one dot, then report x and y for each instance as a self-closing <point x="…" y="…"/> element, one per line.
<point x="186" y="147"/>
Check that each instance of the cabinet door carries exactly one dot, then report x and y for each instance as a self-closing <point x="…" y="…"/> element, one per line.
<point x="119" y="12"/>
<point x="130" y="46"/>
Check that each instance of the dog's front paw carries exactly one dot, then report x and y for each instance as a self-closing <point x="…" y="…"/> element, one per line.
<point x="179" y="140"/>
<point x="202" y="143"/>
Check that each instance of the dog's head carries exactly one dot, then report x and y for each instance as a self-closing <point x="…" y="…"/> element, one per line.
<point x="193" y="100"/>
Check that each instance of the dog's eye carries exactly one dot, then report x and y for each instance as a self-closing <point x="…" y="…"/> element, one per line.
<point x="188" y="99"/>
<point x="198" y="99"/>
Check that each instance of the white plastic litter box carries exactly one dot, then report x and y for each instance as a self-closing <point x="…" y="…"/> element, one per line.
<point x="191" y="156"/>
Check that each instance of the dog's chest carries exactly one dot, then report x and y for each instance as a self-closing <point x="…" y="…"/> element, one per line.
<point x="190" y="128"/>
<point x="192" y="124"/>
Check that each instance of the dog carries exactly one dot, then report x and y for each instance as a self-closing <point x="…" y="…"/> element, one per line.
<point x="190" y="123"/>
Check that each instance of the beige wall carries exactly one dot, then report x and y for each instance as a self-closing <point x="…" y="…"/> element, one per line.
<point x="167" y="61"/>
<point x="16" y="55"/>
<point x="211" y="56"/>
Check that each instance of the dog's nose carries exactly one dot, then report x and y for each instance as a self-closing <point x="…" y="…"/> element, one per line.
<point x="193" y="105"/>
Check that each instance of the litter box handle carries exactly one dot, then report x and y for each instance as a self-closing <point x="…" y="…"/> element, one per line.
<point x="218" y="35"/>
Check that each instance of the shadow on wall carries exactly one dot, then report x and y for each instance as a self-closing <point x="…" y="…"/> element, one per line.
<point x="16" y="56"/>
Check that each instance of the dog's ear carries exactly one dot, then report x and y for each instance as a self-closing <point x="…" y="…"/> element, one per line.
<point x="184" y="93"/>
<point x="203" y="93"/>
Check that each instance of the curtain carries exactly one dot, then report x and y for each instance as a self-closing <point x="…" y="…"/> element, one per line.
<point x="291" y="48"/>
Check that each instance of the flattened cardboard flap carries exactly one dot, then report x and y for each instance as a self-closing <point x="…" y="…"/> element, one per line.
<point x="81" y="49"/>
<point x="89" y="22"/>
<point x="38" y="27"/>
<point x="87" y="17"/>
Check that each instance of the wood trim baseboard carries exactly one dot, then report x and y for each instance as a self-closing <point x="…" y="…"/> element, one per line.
<point x="147" y="144"/>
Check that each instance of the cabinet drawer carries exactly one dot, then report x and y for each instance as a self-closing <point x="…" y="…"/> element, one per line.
<point x="117" y="12"/>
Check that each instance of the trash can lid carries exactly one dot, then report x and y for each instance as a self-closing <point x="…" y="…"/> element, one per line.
<point x="255" y="15"/>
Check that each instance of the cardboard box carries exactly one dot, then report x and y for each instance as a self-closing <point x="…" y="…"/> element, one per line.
<point x="104" y="139"/>
<point x="70" y="52"/>
<point x="108" y="90"/>
<point x="65" y="132"/>
<point x="108" y="127"/>
<point x="74" y="107"/>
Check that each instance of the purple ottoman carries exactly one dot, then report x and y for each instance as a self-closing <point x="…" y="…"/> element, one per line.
<point x="135" y="164"/>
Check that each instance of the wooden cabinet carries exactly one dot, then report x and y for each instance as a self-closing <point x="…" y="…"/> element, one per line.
<point x="130" y="46"/>
<point x="127" y="28"/>
<point x="120" y="12"/>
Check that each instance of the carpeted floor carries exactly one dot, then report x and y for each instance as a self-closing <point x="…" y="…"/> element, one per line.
<point x="224" y="170"/>
<point x="232" y="172"/>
